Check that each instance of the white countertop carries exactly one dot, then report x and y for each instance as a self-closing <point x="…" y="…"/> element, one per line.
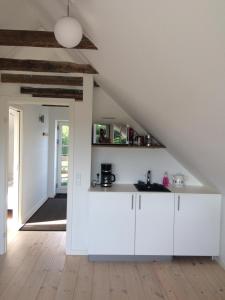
<point x="189" y="189"/>
<point x="130" y="188"/>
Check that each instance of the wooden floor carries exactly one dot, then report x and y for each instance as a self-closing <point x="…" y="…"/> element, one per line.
<point x="36" y="267"/>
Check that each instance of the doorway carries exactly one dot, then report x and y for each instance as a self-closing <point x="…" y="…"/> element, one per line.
<point x="62" y="157"/>
<point x="45" y="207"/>
<point x="13" y="170"/>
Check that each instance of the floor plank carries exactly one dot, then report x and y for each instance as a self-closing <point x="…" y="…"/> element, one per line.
<point x="150" y="281"/>
<point x="117" y="281"/>
<point x="36" y="268"/>
<point x="198" y="279"/>
<point x="101" y="289"/>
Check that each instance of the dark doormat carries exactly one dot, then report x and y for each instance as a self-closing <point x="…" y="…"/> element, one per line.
<point x="51" y="216"/>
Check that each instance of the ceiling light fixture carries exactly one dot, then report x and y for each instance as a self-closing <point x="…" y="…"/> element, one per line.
<point x="68" y="31"/>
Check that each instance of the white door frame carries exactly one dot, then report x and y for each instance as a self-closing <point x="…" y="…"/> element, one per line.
<point x="9" y="101"/>
<point x="60" y="189"/>
<point x="18" y="138"/>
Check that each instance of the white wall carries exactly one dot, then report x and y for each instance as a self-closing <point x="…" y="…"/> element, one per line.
<point x="131" y="165"/>
<point x="171" y="78"/>
<point x="34" y="160"/>
<point x="106" y="107"/>
<point x="55" y="114"/>
<point x="79" y="182"/>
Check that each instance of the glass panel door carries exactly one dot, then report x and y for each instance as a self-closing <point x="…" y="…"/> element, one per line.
<point x="63" y="155"/>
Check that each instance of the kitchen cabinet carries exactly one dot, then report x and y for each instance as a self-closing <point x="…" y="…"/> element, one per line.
<point x="111" y="223"/>
<point x="142" y="223"/>
<point x="197" y="224"/>
<point x="131" y="223"/>
<point x="154" y="224"/>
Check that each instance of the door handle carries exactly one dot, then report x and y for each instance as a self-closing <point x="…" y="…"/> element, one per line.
<point x="139" y="202"/>
<point x="132" y="202"/>
<point x="178" y="203"/>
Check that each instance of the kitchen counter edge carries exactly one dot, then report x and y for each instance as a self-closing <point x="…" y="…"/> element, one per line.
<point x="130" y="188"/>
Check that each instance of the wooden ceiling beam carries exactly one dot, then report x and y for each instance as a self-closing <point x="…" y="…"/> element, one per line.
<point x="45" y="66"/>
<point x="54" y="105"/>
<point x="43" y="79"/>
<point x="31" y="38"/>
<point x="53" y="93"/>
<point x="61" y="96"/>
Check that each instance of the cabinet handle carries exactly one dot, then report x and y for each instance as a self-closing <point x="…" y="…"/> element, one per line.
<point x="132" y="202"/>
<point x="178" y="203"/>
<point x="139" y="202"/>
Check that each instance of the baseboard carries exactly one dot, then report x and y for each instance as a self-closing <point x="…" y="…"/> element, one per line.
<point x="221" y="262"/>
<point x="76" y="252"/>
<point x="30" y="213"/>
<point x="130" y="258"/>
<point x="52" y="195"/>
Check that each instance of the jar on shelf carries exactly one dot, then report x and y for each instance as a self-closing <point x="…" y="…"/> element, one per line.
<point x="148" y="140"/>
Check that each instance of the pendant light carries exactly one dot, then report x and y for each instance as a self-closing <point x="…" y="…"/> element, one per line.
<point x="68" y="31"/>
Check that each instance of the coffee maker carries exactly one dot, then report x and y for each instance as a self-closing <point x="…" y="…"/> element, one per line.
<point x="107" y="178"/>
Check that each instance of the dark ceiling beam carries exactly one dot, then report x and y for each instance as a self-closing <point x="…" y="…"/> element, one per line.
<point x="31" y="38"/>
<point x="61" y="96"/>
<point x="54" y="105"/>
<point x="44" y="66"/>
<point x="53" y="93"/>
<point x="43" y="79"/>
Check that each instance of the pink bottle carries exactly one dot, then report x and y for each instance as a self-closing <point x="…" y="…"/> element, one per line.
<point x="166" y="181"/>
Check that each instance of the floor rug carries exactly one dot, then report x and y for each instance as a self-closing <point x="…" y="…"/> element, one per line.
<point x="51" y="216"/>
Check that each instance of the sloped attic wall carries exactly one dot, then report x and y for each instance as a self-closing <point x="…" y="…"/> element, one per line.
<point x="165" y="63"/>
<point x="131" y="165"/>
<point x="104" y="108"/>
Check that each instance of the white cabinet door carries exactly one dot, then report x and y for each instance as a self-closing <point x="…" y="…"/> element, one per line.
<point x="111" y="223"/>
<point x="197" y="224"/>
<point x="154" y="224"/>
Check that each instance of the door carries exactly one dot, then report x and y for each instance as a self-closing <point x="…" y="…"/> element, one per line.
<point x="197" y="224"/>
<point x="62" y="157"/>
<point x="111" y="223"/>
<point x="14" y="164"/>
<point x="154" y="224"/>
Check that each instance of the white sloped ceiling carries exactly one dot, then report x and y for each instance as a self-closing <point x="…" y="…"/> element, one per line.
<point x="162" y="61"/>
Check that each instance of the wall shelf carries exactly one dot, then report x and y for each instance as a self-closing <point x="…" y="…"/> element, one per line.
<point x="128" y="146"/>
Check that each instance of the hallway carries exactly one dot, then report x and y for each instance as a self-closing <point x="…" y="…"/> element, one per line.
<point x="36" y="267"/>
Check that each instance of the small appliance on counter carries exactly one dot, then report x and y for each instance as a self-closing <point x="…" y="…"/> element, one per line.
<point x="107" y="177"/>
<point x="178" y="180"/>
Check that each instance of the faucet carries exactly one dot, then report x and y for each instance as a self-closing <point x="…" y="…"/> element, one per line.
<point x="149" y="179"/>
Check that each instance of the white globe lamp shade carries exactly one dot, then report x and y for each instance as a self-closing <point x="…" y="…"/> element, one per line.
<point x="68" y="32"/>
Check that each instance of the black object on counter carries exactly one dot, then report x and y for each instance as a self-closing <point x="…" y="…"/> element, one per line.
<point x="107" y="177"/>
<point x="155" y="187"/>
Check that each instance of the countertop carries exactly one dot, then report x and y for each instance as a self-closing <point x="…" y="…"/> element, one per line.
<point x="130" y="188"/>
<point x="127" y="188"/>
<point x="189" y="189"/>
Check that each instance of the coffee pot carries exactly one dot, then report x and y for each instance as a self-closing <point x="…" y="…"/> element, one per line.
<point x="107" y="177"/>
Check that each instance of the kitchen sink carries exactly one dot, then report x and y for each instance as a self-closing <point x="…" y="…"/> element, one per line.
<point x="154" y="187"/>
